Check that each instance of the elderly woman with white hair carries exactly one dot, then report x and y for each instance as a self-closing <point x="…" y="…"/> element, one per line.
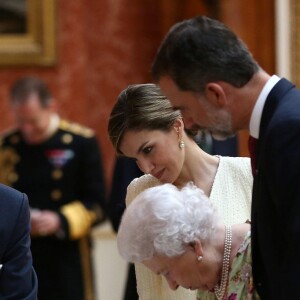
<point x="179" y="234"/>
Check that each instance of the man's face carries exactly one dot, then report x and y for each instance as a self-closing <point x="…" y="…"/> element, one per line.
<point x="32" y="119"/>
<point x="197" y="111"/>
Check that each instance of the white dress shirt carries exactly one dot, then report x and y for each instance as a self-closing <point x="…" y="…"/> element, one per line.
<point x="259" y="106"/>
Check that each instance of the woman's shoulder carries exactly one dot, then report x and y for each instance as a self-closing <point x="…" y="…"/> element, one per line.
<point x="236" y="161"/>
<point x="138" y="185"/>
<point x="236" y="172"/>
<point x="236" y="165"/>
<point x="232" y="189"/>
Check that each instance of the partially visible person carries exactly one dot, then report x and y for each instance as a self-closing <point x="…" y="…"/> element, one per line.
<point x="209" y="74"/>
<point x="17" y="276"/>
<point x="58" y="165"/>
<point x="144" y="126"/>
<point x="178" y="234"/>
<point x="125" y="170"/>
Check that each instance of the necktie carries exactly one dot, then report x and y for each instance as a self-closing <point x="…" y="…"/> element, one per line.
<point x="252" y="144"/>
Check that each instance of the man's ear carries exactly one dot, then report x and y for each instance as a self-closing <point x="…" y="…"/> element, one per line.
<point x="215" y="94"/>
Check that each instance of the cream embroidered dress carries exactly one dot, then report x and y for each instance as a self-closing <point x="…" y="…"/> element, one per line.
<point x="231" y="193"/>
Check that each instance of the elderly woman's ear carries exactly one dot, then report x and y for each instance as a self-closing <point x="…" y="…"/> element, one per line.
<point x="196" y="246"/>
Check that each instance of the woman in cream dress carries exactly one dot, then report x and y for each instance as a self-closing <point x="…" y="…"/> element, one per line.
<point x="144" y="126"/>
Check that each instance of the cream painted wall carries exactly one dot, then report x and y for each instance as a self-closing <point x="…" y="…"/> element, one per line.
<point x="283" y="43"/>
<point x="110" y="269"/>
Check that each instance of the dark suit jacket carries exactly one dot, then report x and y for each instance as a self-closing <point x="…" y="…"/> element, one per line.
<point x="276" y="197"/>
<point x="125" y="171"/>
<point x="17" y="277"/>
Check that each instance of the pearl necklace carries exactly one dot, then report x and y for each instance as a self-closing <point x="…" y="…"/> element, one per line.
<point x="221" y="289"/>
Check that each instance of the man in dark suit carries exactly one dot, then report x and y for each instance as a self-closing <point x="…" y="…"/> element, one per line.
<point x="125" y="170"/>
<point x="17" y="277"/>
<point x="58" y="165"/>
<point x="207" y="72"/>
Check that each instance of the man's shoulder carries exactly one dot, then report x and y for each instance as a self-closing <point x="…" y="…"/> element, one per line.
<point x="10" y="199"/>
<point x="76" y="129"/>
<point x="10" y="136"/>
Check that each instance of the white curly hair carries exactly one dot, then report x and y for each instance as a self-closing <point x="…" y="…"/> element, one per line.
<point x="163" y="220"/>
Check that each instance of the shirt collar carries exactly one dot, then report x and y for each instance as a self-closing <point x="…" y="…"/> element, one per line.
<point x="53" y="125"/>
<point x="259" y="106"/>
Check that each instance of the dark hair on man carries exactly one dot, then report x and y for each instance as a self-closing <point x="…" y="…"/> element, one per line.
<point x="27" y="86"/>
<point x="202" y="50"/>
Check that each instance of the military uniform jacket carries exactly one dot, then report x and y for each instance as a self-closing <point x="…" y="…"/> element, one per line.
<point x="63" y="174"/>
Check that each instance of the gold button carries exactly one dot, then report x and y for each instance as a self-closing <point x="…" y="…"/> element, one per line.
<point x="57" y="174"/>
<point x="67" y="138"/>
<point x="13" y="177"/>
<point x="56" y="195"/>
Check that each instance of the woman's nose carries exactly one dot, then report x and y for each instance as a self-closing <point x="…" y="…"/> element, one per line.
<point x="145" y="166"/>
<point x="172" y="284"/>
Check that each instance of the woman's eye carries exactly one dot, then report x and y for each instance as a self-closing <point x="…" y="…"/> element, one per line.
<point x="147" y="150"/>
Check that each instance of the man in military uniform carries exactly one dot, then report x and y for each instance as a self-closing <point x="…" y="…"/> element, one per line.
<point x="57" y="164"/>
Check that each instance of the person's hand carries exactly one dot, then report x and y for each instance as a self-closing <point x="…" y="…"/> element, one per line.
<point x="34" y="218"/>
<point x="44" y="222"/>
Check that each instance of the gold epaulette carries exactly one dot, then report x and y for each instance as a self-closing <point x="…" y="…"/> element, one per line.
<point x="76" y="128"/>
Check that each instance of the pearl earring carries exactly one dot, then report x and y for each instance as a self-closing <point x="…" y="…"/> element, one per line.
<point x="181" y="144"/>
<point x="199" y="258"/>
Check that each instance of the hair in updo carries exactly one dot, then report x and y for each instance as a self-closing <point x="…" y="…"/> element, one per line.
<point x="141" y="107"/>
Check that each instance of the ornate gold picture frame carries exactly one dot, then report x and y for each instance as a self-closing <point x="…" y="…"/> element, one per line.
<point x="30" y="39"/>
